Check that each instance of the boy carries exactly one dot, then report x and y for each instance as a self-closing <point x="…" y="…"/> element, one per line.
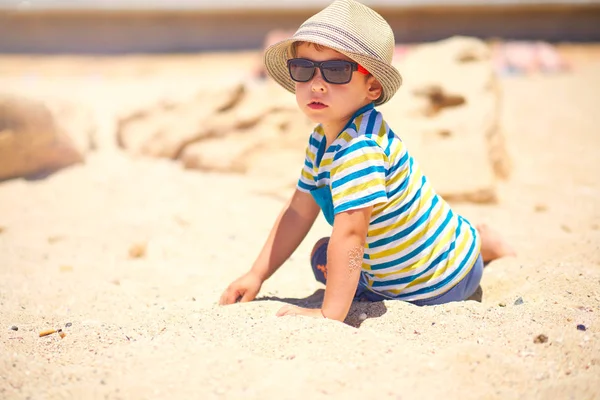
<point x="393" y="237"/>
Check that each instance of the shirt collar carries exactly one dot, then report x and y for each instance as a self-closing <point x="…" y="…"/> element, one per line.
<point x="358" y="112"/>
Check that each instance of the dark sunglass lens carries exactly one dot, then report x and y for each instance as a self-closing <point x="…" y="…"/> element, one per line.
<point x="301" y="70"/>
<point x="337" y="71"/>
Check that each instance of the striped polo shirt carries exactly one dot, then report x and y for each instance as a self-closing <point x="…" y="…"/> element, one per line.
<point x="416" y="246"/>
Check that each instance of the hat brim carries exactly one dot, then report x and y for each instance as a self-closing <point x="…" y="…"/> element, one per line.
<point x="276" y="56"/>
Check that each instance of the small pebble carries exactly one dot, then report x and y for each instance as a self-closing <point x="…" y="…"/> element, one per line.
<point x="580" y="327"/>
<point x="137" y="250"/>
<point x="68" y="325"/>
<point x="362" y="316"/>
<point x="502" y="304"/>
<point x="541" y="338"/>
<point x="519" y="301"/>
<point x="16" y="328"/>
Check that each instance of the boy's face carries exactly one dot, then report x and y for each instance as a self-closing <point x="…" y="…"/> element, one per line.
<point x="332" y="105"/>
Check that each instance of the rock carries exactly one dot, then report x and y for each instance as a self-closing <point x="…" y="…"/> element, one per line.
<point x="518" y="301"/>
<point x="541" y="338"/>
<point x="137" y="250"/>
<point x="581" y="327"/>
<point x="165" y="129"/>
<point x="38" y="138"/>
<point x="14" y="328"/>
<point x="261" y="131"/>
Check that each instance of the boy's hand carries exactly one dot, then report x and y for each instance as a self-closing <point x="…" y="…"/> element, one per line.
<point x="243" y="289"/>
<point x="294" y="310"/>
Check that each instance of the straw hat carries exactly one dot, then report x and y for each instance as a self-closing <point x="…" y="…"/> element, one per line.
<point x="350" y="28"/>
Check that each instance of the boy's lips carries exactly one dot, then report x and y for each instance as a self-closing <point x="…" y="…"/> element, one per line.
<point x="316" y="105"/>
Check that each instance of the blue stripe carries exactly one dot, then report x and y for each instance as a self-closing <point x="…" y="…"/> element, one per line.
<point x="359" y="144"/>
<point x="308" y="164"/>
<point x="416" y="251"/>
<point x="405" y="207"/>
<point x="370" y="124"/>
<point x="323" y="175"/>
<point x="391" y="135"/>
<point x="361" y="174"/>
<point x="405" y="182"/>
<point x="304" y="186"/>
<point x="450" y="277"/>
<point x="400" y="163"/>
<point x="408" y="230"/>
<point x="321" y="151"/>
<point x="408" y="279"/>
<point x="361" y="201"/>
<point x="314" y="142"/>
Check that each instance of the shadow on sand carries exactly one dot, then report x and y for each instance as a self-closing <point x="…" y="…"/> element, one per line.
<point x="315" y="300"/>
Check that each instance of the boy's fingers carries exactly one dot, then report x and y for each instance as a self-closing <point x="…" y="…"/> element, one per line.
<point x="229" y="297"/>
<point x="247" y="296"/>
<point x="286" y="310"/>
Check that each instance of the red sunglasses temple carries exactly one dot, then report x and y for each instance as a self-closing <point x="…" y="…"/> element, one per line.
<point x="362" y="70"/>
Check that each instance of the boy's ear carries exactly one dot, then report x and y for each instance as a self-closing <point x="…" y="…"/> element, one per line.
<point x="374" y="88"/>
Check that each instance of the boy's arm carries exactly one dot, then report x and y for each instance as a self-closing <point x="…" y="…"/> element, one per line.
<point x="290" y="228"/>
<point x="344" y="261"/>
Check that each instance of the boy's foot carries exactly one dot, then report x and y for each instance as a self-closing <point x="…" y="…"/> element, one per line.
<point x="492" y="244"/>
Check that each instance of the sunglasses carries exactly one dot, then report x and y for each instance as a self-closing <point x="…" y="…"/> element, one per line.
<point x="337" y="72"/>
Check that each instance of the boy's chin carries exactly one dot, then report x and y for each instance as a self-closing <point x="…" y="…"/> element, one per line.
<point x="314" y="118"/>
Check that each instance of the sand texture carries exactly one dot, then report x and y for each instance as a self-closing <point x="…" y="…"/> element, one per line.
<point x="132" y="247"/>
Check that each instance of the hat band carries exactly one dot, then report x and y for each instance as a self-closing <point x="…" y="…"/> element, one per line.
<point x="337" y="36"/>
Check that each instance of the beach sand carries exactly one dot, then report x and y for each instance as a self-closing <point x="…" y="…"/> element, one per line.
<point x="133" y="253"/>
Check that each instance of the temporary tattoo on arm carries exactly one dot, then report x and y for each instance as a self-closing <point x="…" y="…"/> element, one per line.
<point x="355" y="258"/>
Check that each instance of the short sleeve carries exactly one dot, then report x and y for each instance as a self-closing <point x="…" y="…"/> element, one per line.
<point x="358" y="175"/>
<point x="307" y="180"/>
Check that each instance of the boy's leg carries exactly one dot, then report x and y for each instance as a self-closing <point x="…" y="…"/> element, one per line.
<point x="492" y="244"/>
<point x="318" y="259"/>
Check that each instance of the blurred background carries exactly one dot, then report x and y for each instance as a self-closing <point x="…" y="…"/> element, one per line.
<point x="122" y="26"/>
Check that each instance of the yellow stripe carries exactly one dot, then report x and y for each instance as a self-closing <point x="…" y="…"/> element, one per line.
<point x="307" y="175"/>
<point x="346" y="136"/>
<point x="381" y="136"/>
<point x="326" y="161"/>
<point x="435" y="250"/>
<point x="357" y="160"/>
<point x="384" y="229"/>
<point x="358" y="188"/>
<point x="405" y="244"/>
<point x="440" y="271"/>
<point x="358" y="121"/>
<point x="383" y="129"/>
<point x="402" y="196"/>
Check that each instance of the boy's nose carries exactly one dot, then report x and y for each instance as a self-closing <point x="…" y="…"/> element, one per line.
<point x="317" y="82"/>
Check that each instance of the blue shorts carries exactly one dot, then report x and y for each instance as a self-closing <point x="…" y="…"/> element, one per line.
<point x="459" y="292"/>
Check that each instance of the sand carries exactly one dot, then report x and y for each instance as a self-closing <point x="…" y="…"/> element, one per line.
<point x="133" y="253"/>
